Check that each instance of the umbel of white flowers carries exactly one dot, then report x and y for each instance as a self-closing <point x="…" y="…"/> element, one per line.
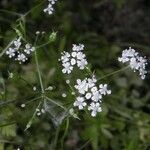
<point x="136" y="62"/>
<point x="76" y="57"/>
<point x="14" y="51"/>
<point x="90" y="96"/>
<point x="50" y="8"/>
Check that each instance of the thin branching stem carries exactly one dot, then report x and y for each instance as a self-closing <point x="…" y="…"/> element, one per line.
<point x="113" y="73"/>
<point x="65" y="133"/>
<point x="38" y="69"/>
<point x="5" y="49"/>
<point x="33" y="116"/>
<point x="54" y="102"/>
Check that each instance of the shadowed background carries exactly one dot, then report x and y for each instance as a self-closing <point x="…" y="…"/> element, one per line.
<point x="105" y="28"/>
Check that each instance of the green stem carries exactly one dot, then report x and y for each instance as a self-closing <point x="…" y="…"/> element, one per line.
<point x="42" y="45"/>
<point x="65" y="133"/>
<point x="89" y="70"/>
<point x="5" y="49"/>
<point x="56" y="138"/>
<point x="39" y="73"/>
<point x="33" y="116"/>
<point x="55" y="103"/>
<point x="113" y="73"/>
<point x="10" y="12"/>
<point x="85" y="145"/>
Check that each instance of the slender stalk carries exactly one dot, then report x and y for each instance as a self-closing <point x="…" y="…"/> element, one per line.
<point x="56" y="138"/>
<point x="7" y="124"/>
<point x="10" y="12"/>
<point x="55" y="103"/>
<point x="5" y="49"/>
<point x="42" y="45"/>
<point x="37" y="66"/>
<point x="33" y="116"/>
<point x="65" y="133"/>
<point x="2" y="104"/>
<point x="89" y="70"/>
<point x="85" y="144"/>
<point x="113" y="73"/>
<point x="34" y="99"/>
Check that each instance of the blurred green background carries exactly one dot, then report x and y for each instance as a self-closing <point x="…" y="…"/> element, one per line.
<point x="105" y="27"/>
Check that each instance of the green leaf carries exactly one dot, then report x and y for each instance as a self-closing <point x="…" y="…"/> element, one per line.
<point x="8" y="130"/>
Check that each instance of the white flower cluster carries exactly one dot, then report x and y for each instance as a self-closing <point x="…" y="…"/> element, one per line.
<point x="90" y="95"/>
<point x="50" y="8"/>
<point x="13" y="51"/>
<point x="77" y="57"/>
<point x="136" y="62"/>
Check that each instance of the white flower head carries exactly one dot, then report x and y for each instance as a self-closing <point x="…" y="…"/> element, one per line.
<point x="67" y="68"/>
<point x="10" y="52"/>
<point x="96" y="96"/>
<point x="81" y="86"/>
<point x="15" y="50"/>
<point x="103" y="89"/>
<point x="17" y="43"/>
<point x="76" y="57"/>
<point x="65" y="57"/>
<point x="80" y="103"/>
<point x="136" y="62"/>
<point x="21" y="57"/>
<point x="78" y="48"/>
<point x="88" y="95"/>
<point x="52" y="1"/>
<point x="28" y="49"/>
<point x="92" y="81"/>
<point x="94" y="107"/>
<point x="82" y="63"/>
<point x="49" y="9"/>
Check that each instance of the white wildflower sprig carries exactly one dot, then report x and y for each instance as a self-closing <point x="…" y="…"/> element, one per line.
<point x="14" y="51"/>
<point x="90" y="95"/>
<point x="136" y="62"/>
<point x="50" y="8"/>
<point x="76" y="57"/>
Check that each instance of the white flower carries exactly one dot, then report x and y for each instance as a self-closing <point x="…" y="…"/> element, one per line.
<point x="21" y="57"/>
<point x="88" y="95"/>
<point x="80" y="55"/>
<point x="28" y="49"/>
<point x="94" y="89"/>
<point x="81" y="86"/>
<point x="10" y="52"/>
<point x="67" y="68"/>
<point x="74" y="54"/>
<point x="92" y="81"/>
<point x="78" y="48"/>
<point x="80" y="103"/>
<point x="95" y="107"/>
<point x="52" y="1"/>
<point x="103" y="89"/>
<point x="65" y="57"/>
<point x="136" y="62"/>
<point x="76" y="57"/>
<point x="82" y="63"/>
<point x="96" y="96"/>
<point x="73" y="61"/>
<point x="15" y="48"/>
<point x="49" y="9"/>
<point x="17" y="43"/>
